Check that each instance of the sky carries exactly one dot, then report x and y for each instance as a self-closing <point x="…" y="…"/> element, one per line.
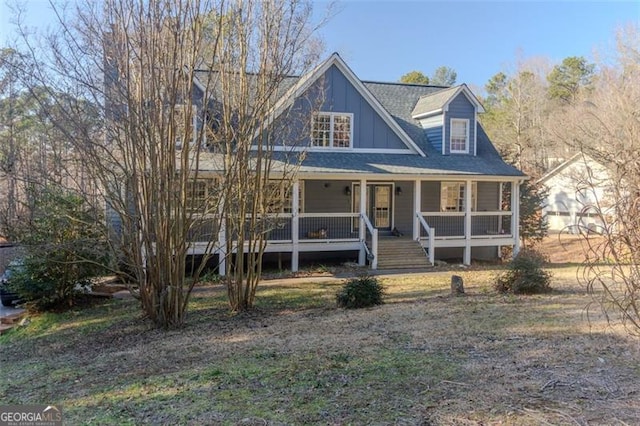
<point x="382" y="40"/>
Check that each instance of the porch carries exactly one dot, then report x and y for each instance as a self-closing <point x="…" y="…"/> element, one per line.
<point x="337" y="215"/>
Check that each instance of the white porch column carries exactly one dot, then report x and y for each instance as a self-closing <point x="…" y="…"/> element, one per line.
<point x="417" y="201"/>
<point x="468" y="188"/>
<point x="499" y="228"/>
<point x="222" y="241"/>
<point x="295" y="202"/>
<point x="361" y="228"/>
<point x="515" y="215"/>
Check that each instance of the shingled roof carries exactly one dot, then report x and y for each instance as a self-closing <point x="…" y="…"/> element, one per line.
<point x="403" y="102"/>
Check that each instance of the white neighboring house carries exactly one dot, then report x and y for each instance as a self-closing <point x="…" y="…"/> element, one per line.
<point x="578" y="195"/>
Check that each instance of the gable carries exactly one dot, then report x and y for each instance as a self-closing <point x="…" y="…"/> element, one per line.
<point x="370" y="131"/>
<point x="460" y="107"/>
<point x="577" y="183"/>
<point x="334" y="89"/>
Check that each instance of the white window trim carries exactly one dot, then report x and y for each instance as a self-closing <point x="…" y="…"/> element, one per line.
<point x="467" y="122"/>
<point x="474" y="195"/>
<point x="332" y="115"/>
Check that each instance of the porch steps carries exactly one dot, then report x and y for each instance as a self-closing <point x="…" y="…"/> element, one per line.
<point x="401" y="253"/>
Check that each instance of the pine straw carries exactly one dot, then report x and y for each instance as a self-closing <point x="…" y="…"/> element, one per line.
<point x="424" y="357"/>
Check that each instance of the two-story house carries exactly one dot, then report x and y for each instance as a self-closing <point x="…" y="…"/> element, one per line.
<point x="392" y="174"/>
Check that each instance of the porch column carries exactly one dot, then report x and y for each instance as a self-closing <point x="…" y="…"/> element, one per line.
<point x="515" y="215"/>
<point x="295" y="202"/>
<point x="361" y="228"/>
<point x="499" y="228"/>
<point x="417" y="201"/>
<point x="222" y="241"/>
<point x="468" y="188"/>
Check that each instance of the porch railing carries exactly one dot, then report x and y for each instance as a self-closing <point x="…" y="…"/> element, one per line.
<point x="486" y="224"/>
<point x="327" y="226"/>
<point x="430" y="236"/>
<point x="451" y="225"/>
<point x="370" y="242"/>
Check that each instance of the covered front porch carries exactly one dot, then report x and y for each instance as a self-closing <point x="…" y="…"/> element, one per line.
<point x="442" y="214"/>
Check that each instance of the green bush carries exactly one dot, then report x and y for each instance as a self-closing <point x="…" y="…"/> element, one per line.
<point x="525" y="274"/>
<point x="64" y="249"/>
<point x="360" y="292"/>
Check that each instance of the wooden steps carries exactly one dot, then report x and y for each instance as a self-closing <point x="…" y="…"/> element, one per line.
<point x="401" y="253"/>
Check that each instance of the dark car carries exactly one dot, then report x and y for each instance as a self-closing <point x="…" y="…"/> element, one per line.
<point x="8" y="297"/>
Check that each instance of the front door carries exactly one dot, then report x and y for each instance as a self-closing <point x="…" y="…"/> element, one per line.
<point x="379" y="204"/>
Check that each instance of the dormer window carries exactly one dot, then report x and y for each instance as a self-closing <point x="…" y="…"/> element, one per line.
<point x="459" y="138"/>
<point x="331" y="130"/>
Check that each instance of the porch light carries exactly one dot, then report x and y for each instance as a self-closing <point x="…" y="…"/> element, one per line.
<point x="347" y="191"/>
<point x="398" y="191"/>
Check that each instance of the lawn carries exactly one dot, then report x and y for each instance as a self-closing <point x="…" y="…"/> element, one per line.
<point x="424" y="357"/>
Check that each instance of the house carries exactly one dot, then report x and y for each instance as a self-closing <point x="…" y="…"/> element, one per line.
<point x="577" y="194"/>
<point x="392" y="174"/>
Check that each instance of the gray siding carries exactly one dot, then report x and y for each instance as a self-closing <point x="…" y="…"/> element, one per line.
<point x="330" y="199"/>
<point x="403" y="208"/>
<point x="430" y="197"/>
<point x="488" y="196"/>
<point x="460" y="107"/>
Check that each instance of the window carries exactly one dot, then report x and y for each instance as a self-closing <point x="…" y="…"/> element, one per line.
<point x="452" y="196"/>
<point x="281" y="198"/>
<point x="331" y="130"/>
<point x="459" y="138"/>
<point x="200" y="193"/>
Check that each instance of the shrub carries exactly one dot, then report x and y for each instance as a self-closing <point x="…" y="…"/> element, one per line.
<point x="64" y="249"/>
<point x="360" y="292"/>
<point x="525" y="275"/>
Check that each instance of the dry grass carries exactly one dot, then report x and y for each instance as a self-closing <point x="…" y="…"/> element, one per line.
<point x="424" y="357"/>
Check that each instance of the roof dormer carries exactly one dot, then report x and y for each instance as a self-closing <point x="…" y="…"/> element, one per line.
<point x="449" y="118"/>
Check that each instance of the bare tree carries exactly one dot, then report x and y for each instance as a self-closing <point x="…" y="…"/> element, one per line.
<point x="517" y="110"/>
<point x="176" y="157"/>
<point x="605" y="124"/>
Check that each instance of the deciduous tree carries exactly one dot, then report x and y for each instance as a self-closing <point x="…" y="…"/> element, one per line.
<point x="133" y="64"/>
<point x="415" y="77"/>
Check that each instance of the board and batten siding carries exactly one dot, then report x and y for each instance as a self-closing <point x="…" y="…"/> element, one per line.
<point x="369" y="129"/>
<point x="460" y="107"/>
<point x="333" y="92"/>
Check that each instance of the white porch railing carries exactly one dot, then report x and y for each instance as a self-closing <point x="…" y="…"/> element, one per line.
<point x="431" y="234"/>
<point x="372" y="251"/>
<point x="451" y="225"/>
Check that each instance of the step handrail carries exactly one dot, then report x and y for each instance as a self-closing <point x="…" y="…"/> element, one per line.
<point x="373" y="253"/>
<point x="431" y="235"/>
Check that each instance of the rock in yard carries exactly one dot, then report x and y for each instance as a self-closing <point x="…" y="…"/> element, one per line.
<point x="457" y="285"/>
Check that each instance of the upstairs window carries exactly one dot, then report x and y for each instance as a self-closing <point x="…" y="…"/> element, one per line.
<point x="331" y="130"/>
<point x="452" y="196"/>
<point x="459" y="138"/>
